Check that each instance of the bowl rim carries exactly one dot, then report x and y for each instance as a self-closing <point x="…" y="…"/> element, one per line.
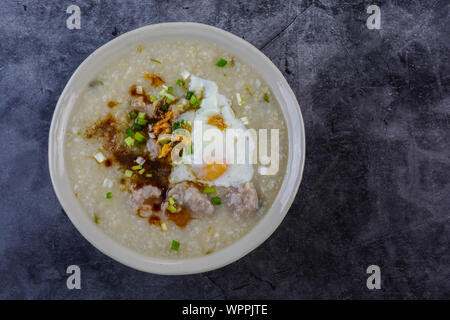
<point x="250" y="241"/>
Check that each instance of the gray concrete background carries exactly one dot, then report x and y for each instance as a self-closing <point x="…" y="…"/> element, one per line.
<point x="376" y="184"/>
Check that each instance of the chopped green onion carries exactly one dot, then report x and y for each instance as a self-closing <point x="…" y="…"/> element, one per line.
<point x="141" y="115"/>
<point x="188" y="150"/>
<point x="165" y="93"/>
<point x="141" y="122"/>
<point x="136" y="167"/>
<point x="129" y="132"/>
<point x="164" y="141"/>
<point x="148" y="175"/>
<point x="163" y="227"/>
<point x="109" y="195"/>
<point x="175" y="245"/>
<point x="170" y="90"/>
<point x="132" y="114"/>
<point x="168" y="100"/>
<point x="180" y="83"/>
<point x="128" y="173"/>
<point x="154" y="60"/>
<point x="141" y="171"/>
<point x="139" y="137"/>
<point x="198" y="91"/>
<point x="189" y="94"/>
<point x="153" y="97"/>
<point x="185" y="74"/>
<point x="221" y="63"/>
<point x="171" y="201"/>
<point x="178" y="125"/>
<point x="100" y="157"/>
<point x="193" y="100"/>
<point x="137" y="127"/>
<point x="129" y="141"/>
<point x="216" y="201"/>
<point x="244" y="120"/>
<point x="209" y="190"/>
<point x="164" y="107"/>
<point x="169" y="96"/>
<point x="172" y="209"/>
<point x="96" y="218"/>
<point x="266" y="97"/>
<point x="239" y="100"/>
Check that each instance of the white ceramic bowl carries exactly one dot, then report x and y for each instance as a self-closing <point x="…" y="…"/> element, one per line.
<point x="235" y="45"/>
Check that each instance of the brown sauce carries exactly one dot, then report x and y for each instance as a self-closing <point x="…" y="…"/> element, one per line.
<point x="155" y="80"/>
<point x="108" y="130"/>
<point x="111" y="104"/>
<point x="155" y="220"/>
<point x="155" y="204"/>
<point x="181" y="219"/>
<point x="134" y="93"/>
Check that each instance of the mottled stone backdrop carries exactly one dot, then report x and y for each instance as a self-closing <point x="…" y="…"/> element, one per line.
<point x="376" y="186"/>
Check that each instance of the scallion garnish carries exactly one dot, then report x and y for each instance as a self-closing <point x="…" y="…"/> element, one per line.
<point x="136" y="167"/>
<point x="209" y="190"/>
<point x="100" y="157"/>
<point x="129" y="132"/>
<point x="266" y="97"/>
<point x="153" y="97"/>
<point x="129" y="141"/>
<point x="180" y="83"/>
<point x="165" y="107"/>
<point x="193" y="100"/>
<point x="239" y="99"/>
<point x="178" y="125"/>
<point x="137" y="127"/>
<point x="148" y="175"/>
<point x="175" y="245"/>
<point x="170" y="90"/>
<point x="139" y="137"/>
<point x="141" y="115"/>
<point x="154" y="60"/>
<point x="141" y="122"/>
<point x="141" y="171"/>
<point x="109" y="195"/>
<point x="132" y="114"/>
<point x="221" y="63"/>
<point x="128" y="173"/>
<point x="171" y="201"/>
<point x="216" y="201"/>
<point x="189" y="94"/>
<point x="172" y="209"/>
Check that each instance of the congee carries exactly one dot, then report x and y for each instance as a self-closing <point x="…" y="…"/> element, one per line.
<point x="150" y="155"/>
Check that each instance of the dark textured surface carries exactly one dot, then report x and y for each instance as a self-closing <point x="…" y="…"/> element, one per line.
<point x="376" y="186"/>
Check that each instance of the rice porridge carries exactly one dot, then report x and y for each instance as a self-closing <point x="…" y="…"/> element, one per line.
<point x="131" y="148"/>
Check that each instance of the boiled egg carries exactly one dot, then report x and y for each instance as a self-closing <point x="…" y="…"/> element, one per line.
<point x="215" y="149"/>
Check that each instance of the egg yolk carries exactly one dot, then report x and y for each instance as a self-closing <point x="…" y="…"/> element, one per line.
<point x="217" y="121"/>
<point x="211" y="171"/>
